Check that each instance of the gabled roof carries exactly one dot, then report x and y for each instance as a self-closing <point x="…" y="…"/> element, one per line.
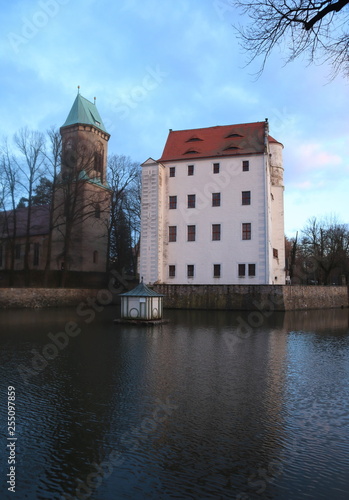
<point x="40" y="222"/>
<point x="226" y="140"/>
<point x="141" y="290"/>
<point x="84" y="112"/>
<point x="149" y="161"/>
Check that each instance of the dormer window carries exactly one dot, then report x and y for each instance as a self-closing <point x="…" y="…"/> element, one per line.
<point x="233" y="135"/>
<point x="95" y="120"/>
<point x="194" y="138"/>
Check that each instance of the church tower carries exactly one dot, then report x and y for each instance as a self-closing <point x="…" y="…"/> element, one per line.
<point x="82" y="196"/>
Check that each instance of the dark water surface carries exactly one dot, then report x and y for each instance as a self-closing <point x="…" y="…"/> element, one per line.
<point x="205" y="407"/>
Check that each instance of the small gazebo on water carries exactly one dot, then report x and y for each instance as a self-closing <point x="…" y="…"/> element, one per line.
<point x="141" y="304"/>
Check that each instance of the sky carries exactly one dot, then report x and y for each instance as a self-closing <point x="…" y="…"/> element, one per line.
<point x="176" y="64"/>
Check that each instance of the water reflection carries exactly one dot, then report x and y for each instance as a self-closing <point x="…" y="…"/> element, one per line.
<point x="180" y="410"/>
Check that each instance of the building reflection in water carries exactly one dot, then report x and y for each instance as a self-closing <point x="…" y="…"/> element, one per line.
<point x="247" y="412"/>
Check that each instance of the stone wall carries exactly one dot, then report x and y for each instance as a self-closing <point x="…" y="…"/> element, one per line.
<point x="315" y="297"/>
<point x="211" y="297"/>
<point x="250" y="297"/>
<point x="43" y="297"/>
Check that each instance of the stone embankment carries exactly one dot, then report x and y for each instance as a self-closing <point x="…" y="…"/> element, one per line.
<point x="212" y="297"/>
<point x="43" y="297"/>
<point x="253" y="297"/>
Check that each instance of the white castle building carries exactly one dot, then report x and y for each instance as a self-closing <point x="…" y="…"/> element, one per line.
<point x="213" y="209"/>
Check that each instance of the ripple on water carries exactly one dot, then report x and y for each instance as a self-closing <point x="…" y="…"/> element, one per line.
<point x="270" y="410"/>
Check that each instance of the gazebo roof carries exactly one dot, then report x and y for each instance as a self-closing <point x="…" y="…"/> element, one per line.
<point x="141" y="290"/>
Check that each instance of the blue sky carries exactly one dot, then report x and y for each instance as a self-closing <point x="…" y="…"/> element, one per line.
<point x="174" y="64"/>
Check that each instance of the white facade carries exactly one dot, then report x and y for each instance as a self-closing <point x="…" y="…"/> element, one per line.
<point x="235" y="232"/>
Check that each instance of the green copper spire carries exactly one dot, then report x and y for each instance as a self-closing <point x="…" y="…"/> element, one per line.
<point x="85" y="112"/>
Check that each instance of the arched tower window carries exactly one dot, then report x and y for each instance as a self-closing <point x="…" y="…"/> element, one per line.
<point x="98" y="161"/>
<point x="98" y="211"/>
<point x="68" y="157"/>
<point x="95" y="257"/>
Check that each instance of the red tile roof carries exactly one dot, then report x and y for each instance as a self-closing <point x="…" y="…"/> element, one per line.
<point x="220" y="141"/>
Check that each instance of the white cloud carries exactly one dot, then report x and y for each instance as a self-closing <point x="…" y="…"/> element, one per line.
<point x="313" y="155"/>
<point x="106" y="48"/>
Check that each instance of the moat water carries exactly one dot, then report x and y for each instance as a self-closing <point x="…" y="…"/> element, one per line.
<point x="204" y="407"/>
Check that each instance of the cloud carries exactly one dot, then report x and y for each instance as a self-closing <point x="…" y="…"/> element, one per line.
<point x="314" y="156"/>
<point x="108" y="47"/>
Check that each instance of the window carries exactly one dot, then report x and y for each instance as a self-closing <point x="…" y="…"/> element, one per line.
<point x="233" y="134"/>
<point x="246" y="197"/>
<point x="172" y="171"/>
<point x="216" y="199"/>
<point x="194" y="139"/>
<point x="246" y="231"/>
<point x="172" y="233"/>
<point x="190" y="270"/>
<point x="252" y="270"/>
<point x="94" y="119"/>
<point x="98" y="162"/>
<point x="191" y="233"/>
<point x="18" y="251"/>
<point x="98" y="211"/>
<point x="216" y="168"/>
<point x="36" y="254"/>
<point x="69" y="160"/>
<point x="190" y="169"/>
<point x="172" y="202"/>
<point x="275" y="253"/>
<point x="172" y="271"/>
<point x="191" y="200"/>
<point x="216" y="270"/>
<point x="216" y="232"/>
<point x="242" y="270"/>
<point x="95" y="257"/>
<point x="245" y="165"/>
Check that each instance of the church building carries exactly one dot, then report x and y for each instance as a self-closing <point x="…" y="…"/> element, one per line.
<point x="212" y="208"/>
<point x="73" y="235"/>
<point x="82" y="196"/>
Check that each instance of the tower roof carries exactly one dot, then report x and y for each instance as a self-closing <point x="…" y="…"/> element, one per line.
<point x="85" y="112"/>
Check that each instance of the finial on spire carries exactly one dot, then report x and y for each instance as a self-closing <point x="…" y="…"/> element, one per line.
<point x="78" y="89"/>
<point x="94" y="100"/>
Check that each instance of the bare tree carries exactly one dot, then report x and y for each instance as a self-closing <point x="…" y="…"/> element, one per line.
<point x="326" y="243"/>
<point x="76" y="199"/>
<point x="133" y="213"/>
<point x="53" y="161"/>
<point x="318" y="29"/>
<point x="31" y="147"/>
<point x="122" y="178"/>
<point x="9" y="191"/>
<point x="291" y="251"/>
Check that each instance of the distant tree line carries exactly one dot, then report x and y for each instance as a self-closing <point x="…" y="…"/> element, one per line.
<point x="30" y="171"/>
<point x="319" y="255"/>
